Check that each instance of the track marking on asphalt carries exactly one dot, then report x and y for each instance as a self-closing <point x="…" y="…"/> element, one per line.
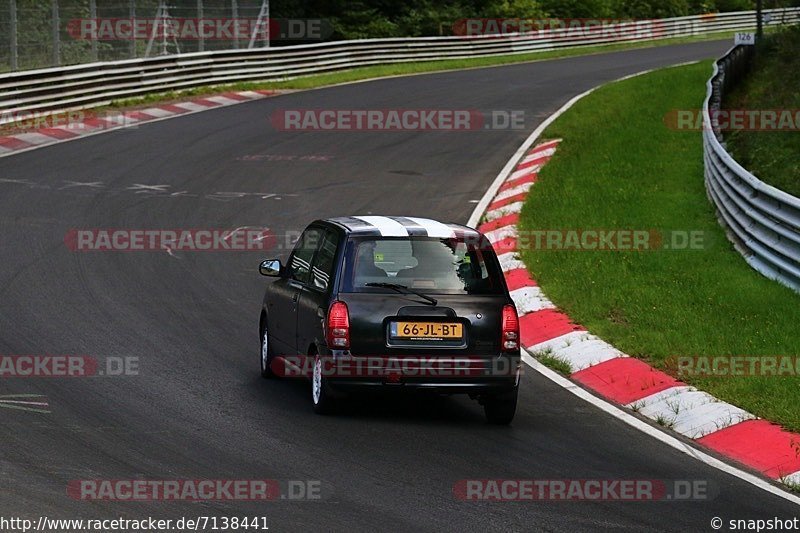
<point x="35" y="403"/>
<point x="140" y="188"/>
<point x="259" y="238"/>
<point x="152" y="191"/>
<point x="17" y="182"/>
<point x="91" y="184"/>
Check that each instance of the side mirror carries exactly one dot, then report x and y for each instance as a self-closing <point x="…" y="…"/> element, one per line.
<point x="270" y="267"/>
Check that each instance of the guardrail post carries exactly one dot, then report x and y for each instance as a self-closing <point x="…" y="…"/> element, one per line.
<point x="13" y="43"/>
<point x="93" y="16"/>
<point x="132" y="16"/>
<point x="56" y="36"/>
<point x="234" y="16"/>
<point x="201" y="46"/>
<point x="760" y="15"/>
<point x="261" y="23"/>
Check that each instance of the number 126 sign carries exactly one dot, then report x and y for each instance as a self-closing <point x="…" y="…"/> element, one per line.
<point x="745" y="39"/>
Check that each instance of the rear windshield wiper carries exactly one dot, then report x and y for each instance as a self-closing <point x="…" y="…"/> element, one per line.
<point x="403" y="289"/>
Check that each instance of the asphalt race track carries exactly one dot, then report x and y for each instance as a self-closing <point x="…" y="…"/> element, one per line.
<point x="198" y="408"/>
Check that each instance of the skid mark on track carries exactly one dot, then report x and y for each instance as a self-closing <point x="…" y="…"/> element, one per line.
<point x="35" y="403"/>
<point x="81" y="188"/>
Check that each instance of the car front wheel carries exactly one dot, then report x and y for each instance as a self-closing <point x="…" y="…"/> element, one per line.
<point x="266" y="355"/>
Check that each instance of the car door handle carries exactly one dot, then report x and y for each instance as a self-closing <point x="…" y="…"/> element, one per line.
<point x="295" y="297"/>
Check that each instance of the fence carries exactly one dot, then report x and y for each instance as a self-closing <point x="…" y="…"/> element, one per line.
<point x="51" y="33"/>
<point x="762" y="221"/>
<point x="45" y="33"/>
<point x="94" y="84"/>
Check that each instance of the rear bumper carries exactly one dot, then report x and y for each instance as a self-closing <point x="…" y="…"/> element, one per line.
<point x="446" y="375"/>
<point x="439" y="387"/>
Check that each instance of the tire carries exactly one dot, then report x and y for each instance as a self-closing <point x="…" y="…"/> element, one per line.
<point x="323" y="401"/>
<point x="266" y="355"/>
<point x="500" y="409"/>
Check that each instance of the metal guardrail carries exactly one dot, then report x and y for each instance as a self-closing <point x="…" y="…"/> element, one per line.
<point x="763" y="222"/>
<point x="96" y="84"/>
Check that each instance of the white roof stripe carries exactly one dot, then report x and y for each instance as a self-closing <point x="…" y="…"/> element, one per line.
<point x="434" y="228"/>
<point x="387" y="226"/>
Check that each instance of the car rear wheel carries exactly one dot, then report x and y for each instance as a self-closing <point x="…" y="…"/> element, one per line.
<point x="324" y="403"/>
<point x="266" y="355"/>
<point x="500" y="409"/>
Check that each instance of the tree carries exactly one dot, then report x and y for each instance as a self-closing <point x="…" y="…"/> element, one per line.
<point x="646" y="9"/>
<point x="578" y="8"/>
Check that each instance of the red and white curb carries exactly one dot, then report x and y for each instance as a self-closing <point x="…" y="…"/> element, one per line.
<point x="599" y="367"/>
<point x="45" y="136"/>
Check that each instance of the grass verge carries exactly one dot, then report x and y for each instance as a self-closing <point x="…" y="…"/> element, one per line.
<point x="773" y="84"/>
<point x="620" y="167"/>
<point x="553" y="362"/>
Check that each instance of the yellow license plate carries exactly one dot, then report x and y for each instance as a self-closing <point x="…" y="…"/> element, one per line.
<point x="426" y="330"/>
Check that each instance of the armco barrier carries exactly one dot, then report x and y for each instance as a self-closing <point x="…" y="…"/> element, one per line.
<point x="95" y="84"/>
<point x="762" y="221"/>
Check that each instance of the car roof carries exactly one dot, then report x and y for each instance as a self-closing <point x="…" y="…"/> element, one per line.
<point x="397" y="226"/>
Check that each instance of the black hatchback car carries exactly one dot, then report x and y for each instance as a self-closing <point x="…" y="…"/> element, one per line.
<point x="392" y="302"/>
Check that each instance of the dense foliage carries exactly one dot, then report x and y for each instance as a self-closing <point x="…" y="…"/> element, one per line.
<point x="772" y="84"/>
<point x="354" y="19"/>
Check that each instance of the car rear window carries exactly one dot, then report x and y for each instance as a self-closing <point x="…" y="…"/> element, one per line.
<point x="425" y="264"/>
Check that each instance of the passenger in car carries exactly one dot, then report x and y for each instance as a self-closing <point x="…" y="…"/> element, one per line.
<point x="365" y="263"/>
<point x="434" y="262"/>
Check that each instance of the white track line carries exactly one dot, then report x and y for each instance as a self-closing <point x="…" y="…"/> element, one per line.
<point x="613" y="410"/>
<point x="657" y="434"/>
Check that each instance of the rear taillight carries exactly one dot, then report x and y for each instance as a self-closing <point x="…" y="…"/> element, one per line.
<point x="338" y="326"/>
<point x="510" y="338"/>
